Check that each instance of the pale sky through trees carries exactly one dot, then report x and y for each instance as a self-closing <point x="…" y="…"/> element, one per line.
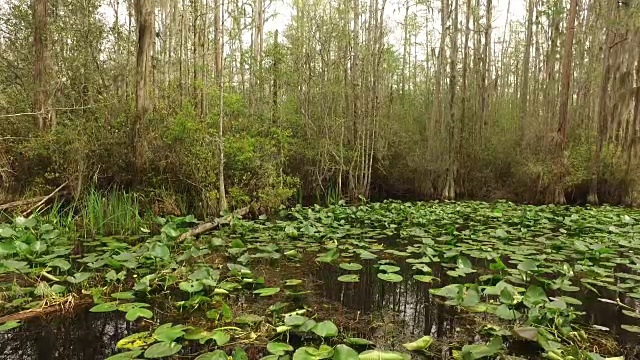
<point x="279" y="15"/>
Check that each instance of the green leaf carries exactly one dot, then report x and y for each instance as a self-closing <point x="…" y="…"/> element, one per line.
<point x="424" y="278"/>
<point x="9" y="325"/>
<point x="631" y="328"/>
<point x="325" y="329"/>
<point x="380" y="355"/>
<point x="477" y="351"/>
<point x="501" y="233"/>
<point x="221" y="337"/>
<point x="28" y="223"/>
<point x="343" y="352"/>
<point x="129" y="355"/>
<point x="7" y="232"/>
<point x="504" y="312"/>
<point x="190" y="286"/>
<point x="136" y="340"/>
<point x="295" y="320"/>
<point x="267" y="291"/>
<point x="162" y="349"/>
<point x="353" y="278"/>
<point x="248" y="319"/>
<point x="358" y="341"/>
<point x="135" y="313"/>
<point x="159" y="250"/>
<point x="38" y="246"/>
<point x="78" y="277"/>
<point x="350" y="266"/>
<point x="529" y="333"/>
<point x="278" y="348"/>
<point x="421" y="344"/>
<point x="168" y="332"/>
<point x="528" y="265"/>
<point x="535" y="295"/>
<point x="239" y="354"/>
<point x="126" y="295"/>
<point x="105" y="307"/>
<point x="60" y="263"/>
<point x="214" y="355"/>
<point x="392" y="277"/>
<point x="292" y="282"/>
<point x="389" y="268"/>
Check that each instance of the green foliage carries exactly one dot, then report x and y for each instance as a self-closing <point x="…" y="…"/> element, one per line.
<point x="110" y="213"/>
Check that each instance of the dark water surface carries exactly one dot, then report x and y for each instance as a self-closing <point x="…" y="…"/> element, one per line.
<point x="397" y="313"/>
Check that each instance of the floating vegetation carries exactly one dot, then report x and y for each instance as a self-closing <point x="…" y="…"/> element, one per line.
<point x="514" y="274"/>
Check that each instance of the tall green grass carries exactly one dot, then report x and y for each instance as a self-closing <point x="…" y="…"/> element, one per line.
<point x="110" y="213"/>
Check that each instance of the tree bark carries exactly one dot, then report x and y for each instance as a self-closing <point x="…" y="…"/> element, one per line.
<point x="219" y="5"/>
<point x="144" y="10"/>
<point x="562" y="156"/>
<point x="524" y="90"/>
<point x="45" y="115"/>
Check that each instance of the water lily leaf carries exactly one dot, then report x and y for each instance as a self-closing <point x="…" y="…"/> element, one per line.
<point x="136" y="340"/>
<point x="392" y="277"/>
<point x="421" y="344"/>
<point x="350" y="266"/>
<point x="381" y="355"/>
<point x="295" y="320"/>
<point x="239" y="354"/>
<point x="191" y="286"/>
<point x="343" y="352"/>
<point x="349" y="278"/>
<point x="292" y="282"/>
<point x="501" y="233"/>
<point x="129" y="355"/>
<point x="529" y="333"/>
<point x="358" y="341"/>
<point x="38" y="246"/>
<point x="168" y="333"/>
<point x="278" y="348"/>
<point x="7" y="232"/>
<point x="504" y="312"/>
<point x="60" y="263"/>
<point x="159" y="250"/>
<point x="424" y="278"/>
<point x="27" y="223"/>
<point x="220" y="337"/>
<point x="478" y="351"/>
<point x="126" y="295"/>
<point x="21" y="266"/>
<point x="329" y="256"/>
<point x="307" y="326"/>
<point x="162" y="349"/>
<point x="389" y="268"/>
<point x="631" y="328"/>
<point x="214" y="355"/>
<point x="78" y="277"/>
<point x="248" y="319"/>
<point x="9" y="325"/>
<point x="267" y="291"/>
<point x="105" y="307"/>
<point x="325" y="329"/>
<point x="535" y="295"/>
<point x="134" y="314"/>
<point x="528" y="265"/>
<point x="310" y="353"/>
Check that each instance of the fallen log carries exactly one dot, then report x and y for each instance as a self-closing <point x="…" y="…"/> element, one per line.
<point x="43" y="201"/>
<point x="46" y="311"/>
<point x="208" y="226"/>
<point x="20" y="203"/>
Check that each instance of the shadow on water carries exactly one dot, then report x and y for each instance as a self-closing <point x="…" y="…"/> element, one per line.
<point x="82" y="335"/>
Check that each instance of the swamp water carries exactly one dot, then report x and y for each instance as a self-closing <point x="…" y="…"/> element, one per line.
<point x="378" y="273"/>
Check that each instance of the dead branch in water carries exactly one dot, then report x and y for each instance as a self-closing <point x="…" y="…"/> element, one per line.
<point x="208" y="226"/>
<point x="46" y="311"/>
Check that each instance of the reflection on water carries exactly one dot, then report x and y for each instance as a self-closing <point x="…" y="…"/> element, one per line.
<point x="409" y="299"/>
<point x="83" y="335"/>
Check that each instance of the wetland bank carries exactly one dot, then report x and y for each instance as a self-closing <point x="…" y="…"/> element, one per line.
<point x="392" y="280"/>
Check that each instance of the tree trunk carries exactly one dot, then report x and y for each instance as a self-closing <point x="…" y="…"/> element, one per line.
<point x="219" y="6"/>
<point x="45" y="115"/>
<point x="524" y="90"/>
<point x="452" y="166"/>
<point x="145" y="20"/>
<point x="562" y="156"/>
<point x="602" y="116"/>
